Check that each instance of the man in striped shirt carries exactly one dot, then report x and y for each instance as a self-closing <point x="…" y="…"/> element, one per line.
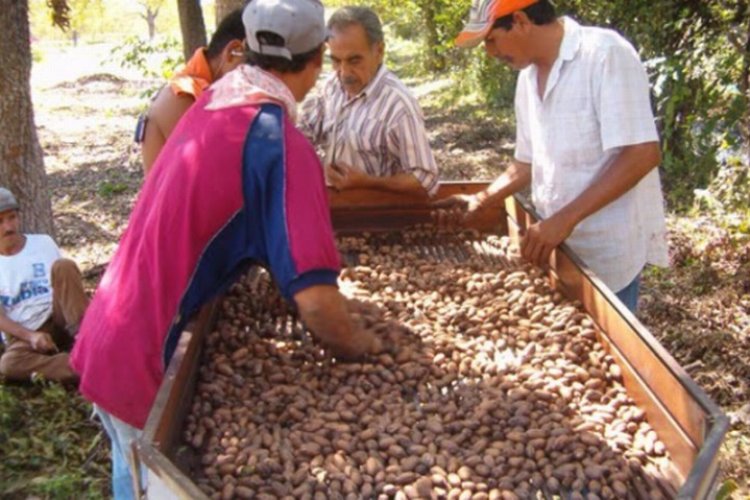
<point x="368" y="125"/>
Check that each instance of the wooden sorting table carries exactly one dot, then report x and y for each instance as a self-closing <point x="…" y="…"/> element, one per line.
<point x="691" y="426"/>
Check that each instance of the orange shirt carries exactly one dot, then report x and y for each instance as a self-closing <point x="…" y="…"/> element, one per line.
<point x="194" y="77"/>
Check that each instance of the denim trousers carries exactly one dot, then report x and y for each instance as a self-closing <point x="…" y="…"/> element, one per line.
<point x="122" y="436"/>
<point x="629" y="294"/>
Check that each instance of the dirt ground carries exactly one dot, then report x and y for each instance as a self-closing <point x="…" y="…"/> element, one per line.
<point x="699" y="308"/>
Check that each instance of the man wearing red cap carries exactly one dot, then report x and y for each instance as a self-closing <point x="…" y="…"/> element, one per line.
<point x="586" y="141"/>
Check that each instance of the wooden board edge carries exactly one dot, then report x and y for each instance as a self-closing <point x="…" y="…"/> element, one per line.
<point x="160" y="429"/>
<point x="162" y="474"/>
<point x="702" y="476"/>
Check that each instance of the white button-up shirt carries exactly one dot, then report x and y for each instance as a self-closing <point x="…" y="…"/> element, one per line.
<point x="380" y="131"/>
<point x="596" y="102"/>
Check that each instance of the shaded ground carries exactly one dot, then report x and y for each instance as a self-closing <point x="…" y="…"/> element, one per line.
<point x="699" y="309"/>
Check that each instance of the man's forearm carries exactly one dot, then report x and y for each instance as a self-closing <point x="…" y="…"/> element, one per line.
<point x="17" y="330"/>
<point x="516" y="177"/>
<point x="625" y="172"/>
<point x="323" y="310"/>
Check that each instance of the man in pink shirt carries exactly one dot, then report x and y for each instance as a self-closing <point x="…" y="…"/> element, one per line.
<point x="236" y="185"/>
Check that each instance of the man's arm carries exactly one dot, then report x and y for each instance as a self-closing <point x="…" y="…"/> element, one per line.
<point x="323" y="309"/>
<point x="163" y="116"/>
<point x="462" y="209"/>
<point x="39" y="341"/>
<point x="311" y="117"/>
<point x="623" y="173"/>
<point x="344" y="177"/>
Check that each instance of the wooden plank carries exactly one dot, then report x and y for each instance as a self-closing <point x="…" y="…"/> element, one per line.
<point x="681" y="448"/>
<point x="165" y="420"/>
<point x="164" y="481"/>
<point x="352" y="198"/>
<point x="679" y="410"/>
<point x="368" y="210"/>
<point x="680" y="429"/>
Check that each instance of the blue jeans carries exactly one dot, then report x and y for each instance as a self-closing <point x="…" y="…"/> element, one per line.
<point x="121" y="435"/>
<point x="629" y="294"/>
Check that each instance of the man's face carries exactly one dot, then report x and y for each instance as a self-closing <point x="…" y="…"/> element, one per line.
<point x="508" y="46"/>
<point x="10" y="227"/>
<point x="312" y="72"/>
<point x="355" y="61"/>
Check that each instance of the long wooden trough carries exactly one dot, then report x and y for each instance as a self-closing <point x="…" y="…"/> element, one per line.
<point x="690" y="425"/>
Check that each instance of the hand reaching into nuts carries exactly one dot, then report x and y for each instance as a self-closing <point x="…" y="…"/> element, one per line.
<point x="457" y="210"/>
<point x="324" y="311"/>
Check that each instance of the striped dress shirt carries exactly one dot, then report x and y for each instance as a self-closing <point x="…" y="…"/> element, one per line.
<point x="380" y="131"/>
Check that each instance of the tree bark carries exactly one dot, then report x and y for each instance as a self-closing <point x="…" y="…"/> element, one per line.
<point x="745" y="82"/>
<point x="150" y="18"/>
<point x="21" y="161"/>
<point x="192" y="26"/>
<point x="224" y="7"/>
<point x="435" y="59"/>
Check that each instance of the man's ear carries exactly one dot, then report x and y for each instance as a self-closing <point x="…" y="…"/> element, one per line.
<point x="235" y="48"/>
<point x="380" y="51"/>
<point x="521" y="20"/>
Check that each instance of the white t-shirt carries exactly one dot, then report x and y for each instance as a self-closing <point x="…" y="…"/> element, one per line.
<point x="26" y="282"/>
<point x="596" y="102"/>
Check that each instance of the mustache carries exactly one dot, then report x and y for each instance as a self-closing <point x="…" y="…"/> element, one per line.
<point x="9" y="232"/>
<point x="349" y="80"/>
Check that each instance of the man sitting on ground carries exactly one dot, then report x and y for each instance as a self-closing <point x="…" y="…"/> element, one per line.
<point x="223" y="54"/>
<point x="42" y="300"/>
<point x="369" y="125"/>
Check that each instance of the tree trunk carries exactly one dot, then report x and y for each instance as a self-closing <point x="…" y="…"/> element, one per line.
<point x="435" y="59"/>
<point x="192" y="26"/>
<point x="745" y="85"/>
<point x="151" y="20"/>
<point x="224" y="7"/>
<point x="21" y="161"/>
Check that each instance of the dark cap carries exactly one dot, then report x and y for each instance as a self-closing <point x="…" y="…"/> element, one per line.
<point x="7" y="200"/>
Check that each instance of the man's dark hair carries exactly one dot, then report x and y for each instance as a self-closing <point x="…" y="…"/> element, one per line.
<point x="230" y="28"/>
<point x="276" y="63"/>
<point x="539" y="13"/>
<point x="363" y="16"/>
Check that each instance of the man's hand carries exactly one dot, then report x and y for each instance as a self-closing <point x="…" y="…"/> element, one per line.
<point x="42" y="342"/>
<point x="344" y="177"/>
<point x="362" y="342"/>
<point x="542" y="237"/>
<point x="325" y="312"/>
<point x="457" y="210"/>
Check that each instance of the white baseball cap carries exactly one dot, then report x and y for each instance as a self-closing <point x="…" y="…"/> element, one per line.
<point x="300" y="23"/>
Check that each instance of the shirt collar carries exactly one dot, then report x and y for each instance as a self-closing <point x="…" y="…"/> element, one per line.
<point x="252" y="85"/>
<point x="571" y="41"/>
<point x="569" y="47"/>
<point x="194" y="77"/>
<point x="374" y="87"/>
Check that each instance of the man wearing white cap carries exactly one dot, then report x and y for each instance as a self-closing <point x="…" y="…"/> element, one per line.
<point x="41" y="300"/>
<point x="236" y="185"/>
<point x="586" y="141"/>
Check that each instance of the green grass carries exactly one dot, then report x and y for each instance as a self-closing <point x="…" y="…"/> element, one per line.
<point x="50" y="447"/>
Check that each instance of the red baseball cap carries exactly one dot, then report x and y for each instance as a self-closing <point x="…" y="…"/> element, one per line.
<point x="483" y="13"/>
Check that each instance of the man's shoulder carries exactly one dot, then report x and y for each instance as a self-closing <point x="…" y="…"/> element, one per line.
<point x="599" y="40"/>
<point x="41" y="243"/>
<point x="396" y="91"/>
<point x="41" y="239"/>
<point x="166" y="104"/>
